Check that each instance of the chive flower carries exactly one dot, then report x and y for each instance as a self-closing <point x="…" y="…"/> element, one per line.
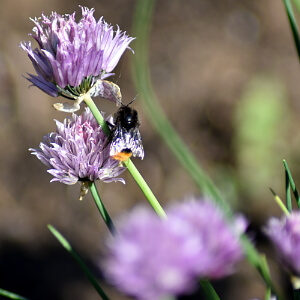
<point x="78" y="151"/>
<point x="285" y="236"/>
<point x="72" y="56"/>
<point x="151" y="258"/>
<point x="219" y="241"/>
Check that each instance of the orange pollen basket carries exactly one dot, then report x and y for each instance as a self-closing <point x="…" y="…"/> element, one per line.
<point x="122" y="156"/>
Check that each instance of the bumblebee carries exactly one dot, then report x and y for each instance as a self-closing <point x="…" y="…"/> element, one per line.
<point x="126" y="138"/>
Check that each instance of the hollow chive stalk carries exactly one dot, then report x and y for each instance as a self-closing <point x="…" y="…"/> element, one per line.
<point x="103" y="212"/>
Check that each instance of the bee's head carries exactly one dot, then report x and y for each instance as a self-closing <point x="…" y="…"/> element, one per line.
<point x="128" y="117"/>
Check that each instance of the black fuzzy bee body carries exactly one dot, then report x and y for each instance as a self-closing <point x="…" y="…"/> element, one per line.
<point x="126" y="138"/>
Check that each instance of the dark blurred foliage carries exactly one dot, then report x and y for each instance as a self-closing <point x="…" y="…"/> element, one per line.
<point x="226" y="73"/>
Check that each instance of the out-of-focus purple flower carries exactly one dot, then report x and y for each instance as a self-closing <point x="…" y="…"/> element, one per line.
<point x="71" y="57"/>
<point x="285" y="235"/>
<point x="152" y="258"/>
<point x="218" y="241"/>
<point x="78" y="151"/>
<point x="147" y="259"/>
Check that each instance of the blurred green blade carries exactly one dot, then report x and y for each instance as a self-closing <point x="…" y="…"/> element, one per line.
<point x="292" y="184"/>
<point x="208" y="290"/>
<point x="293" y="24"/>
<point x="11" y="295"/>
<point x="78" y="259"/>
<point x="288" y="192"/>
<point x="268" y="295"/>
<point x="141" y="75"/>
<point x="280" y="203"/>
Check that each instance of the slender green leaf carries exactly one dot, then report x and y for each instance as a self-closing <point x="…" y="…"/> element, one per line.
<point x="145" y="188"/>
<point x="208" y="290"/>
<point x="288" y="192"/>
<point x="292" y="184"/>
<point x="280" y="202"/>
<point x="268" y="294"/>
<point x="293" y="24"/>
<point x="141" y="74"/>
<point x="79" y="260"/>
<point x="11" y="295"/>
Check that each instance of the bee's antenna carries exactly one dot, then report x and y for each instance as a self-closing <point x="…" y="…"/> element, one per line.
<point x="132" y="100"/>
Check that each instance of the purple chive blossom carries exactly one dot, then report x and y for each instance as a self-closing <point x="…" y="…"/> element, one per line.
<point x="78" y="151"/>
<point x="69" y="52"/>
<point x="152" y="258"/>
<point x="285" y="235"/>
<point x="147" y="259"/>
<point x="218" y="241"/>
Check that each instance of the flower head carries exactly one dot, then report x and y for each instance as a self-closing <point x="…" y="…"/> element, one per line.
<point x="147" y="259"/>
<point x="285" y="235"/>
<point x="218" y="241"/>
<point x="78" y="151"/>
<point x="71" y="57"/>
<point x="152" y="258"/>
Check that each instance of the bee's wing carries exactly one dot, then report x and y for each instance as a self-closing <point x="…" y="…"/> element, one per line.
<point x="136" y="143"/>
<point x="118" y="141"/>
<point x="123" y="139"/>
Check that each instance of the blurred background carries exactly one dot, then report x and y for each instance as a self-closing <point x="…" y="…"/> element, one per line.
<point x="227" y="75"/>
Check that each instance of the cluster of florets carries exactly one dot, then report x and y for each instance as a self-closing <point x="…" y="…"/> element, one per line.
<point x="78" y="151"/>
<point x="71" y="56"/>
<point x="151" y="258"/>
<point x="285" y="235"/>
<point x="71" y="60"/>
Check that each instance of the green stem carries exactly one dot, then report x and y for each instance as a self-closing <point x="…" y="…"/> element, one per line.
<point x="280" y="203"/>
<point x="259" y="262"/>
<point x="78" y="259"/>
<point x="293" y="24"/>
<point x="142" y="79"/>
<point x="288" y="192"/>
<point x="292" y="184"/>
<point x="268" y="294"/>
<point x="208" y="290"/>
<point x="145" y="188"/>
<point x="101" y="208"/>
<point x="129" y="164"/>
<point x="11" y="295"/>
<point x="97" y="114"/>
